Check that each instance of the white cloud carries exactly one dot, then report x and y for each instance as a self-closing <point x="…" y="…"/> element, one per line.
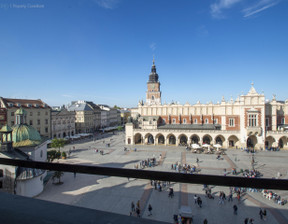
<point x="252" y="7"/>
<point x="259" y="7"/>
<point x="107" y="4"/>
<point x="153" y="46"/>
<point x="217" y="8"/>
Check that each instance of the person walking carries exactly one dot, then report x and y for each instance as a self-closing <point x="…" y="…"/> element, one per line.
<point x="199" y="202"/>
<point x="205" y="221"/>
<point x="246" y="221"/>
<point x="264" y="214"/>
<point x="235" y="208"/>
<point x="195" y="199"/>
<point x="138" y="204"/>
<point x="132" y="207"/>
<point x="261" y="214"/>
<point x="138" y="212"/>
<point x="150" y="209"/>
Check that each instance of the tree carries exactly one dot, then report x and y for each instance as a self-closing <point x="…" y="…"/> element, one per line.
<point x="57" y="174"/>
<point x="58" y="143"/>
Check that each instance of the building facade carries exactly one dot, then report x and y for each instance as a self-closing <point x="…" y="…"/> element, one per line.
<point x="24" y="142"/>
<point x="63" y="123"/>
<point x="249" y="121"/>
<point x="38" y="113"/>
<point x="84" y="116"/>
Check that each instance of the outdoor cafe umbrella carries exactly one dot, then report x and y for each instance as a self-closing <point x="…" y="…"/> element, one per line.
<point x="217" y="146"/>
<point x="195" y="146"/>
<point x="206" y="146"/>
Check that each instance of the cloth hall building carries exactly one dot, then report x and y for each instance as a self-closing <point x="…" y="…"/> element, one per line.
<point x="249" y="121"/>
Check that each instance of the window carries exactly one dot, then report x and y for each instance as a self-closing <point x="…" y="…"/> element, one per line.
<point x="12" y="123"/>
<point x="39" y="113"/>
<point x="231" y="122"/>
<point x="267" y="122"/>
<point x="38" y="122"/>
<point x="1" y="173"/>
<point x="46" y="113"/>
<point x="12" y="114"/>
<point x="195" y="121"/>
<point x="216" y="121"/>
<point x="46" y="121"/>
<point x="164" y="121"/>
<point x="252" y="120"/>
<point x="206" y="121"/>
<point x="31" y="122"/>
<point x="31" y="113"/>
<point x="152" y="97"/>
<point x="46" y="130"/>
<point x="283" y="120"/>
<point x="150" y="122"/>
<point x="174" y="121"/>
<point x="38" y="129"/>
<point x="41" y="153"/>
<point x="184" y="121"/>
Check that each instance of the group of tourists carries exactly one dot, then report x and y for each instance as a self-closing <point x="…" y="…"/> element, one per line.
<point x="251" y="173"/>
<point x="160" y="185"/>
<point x="135" y="210"/>
<point x="184" y="168"/>
<point x="274" y="197"/>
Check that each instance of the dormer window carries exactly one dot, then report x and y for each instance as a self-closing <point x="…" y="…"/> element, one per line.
<point x="206" y="121"/>
<point x="184" y="121"/>
<point x="29" y="105"/>
<point x="195" y="121"/>
<point x="18" y="104"/>
<point x="36" y="105"/>
<point x="10" y="104"/>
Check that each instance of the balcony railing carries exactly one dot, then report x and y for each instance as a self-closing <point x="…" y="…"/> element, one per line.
<point x="154" y="175"/>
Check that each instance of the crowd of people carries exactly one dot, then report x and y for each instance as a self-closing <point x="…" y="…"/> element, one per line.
<point x="184" y="168"/>
<point x="149" y="162"/>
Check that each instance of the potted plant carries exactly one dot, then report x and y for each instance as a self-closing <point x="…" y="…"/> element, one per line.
<point x="64" y="155"/>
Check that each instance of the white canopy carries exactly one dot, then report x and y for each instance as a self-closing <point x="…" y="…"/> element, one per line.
<point x="206" y="145"/>
<point x="195" y="146"/>
<point x="185" y="211"/>
<point x="217" y="146"/>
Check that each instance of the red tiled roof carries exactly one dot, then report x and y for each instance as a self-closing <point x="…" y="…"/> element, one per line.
<point x="23" y="103"/>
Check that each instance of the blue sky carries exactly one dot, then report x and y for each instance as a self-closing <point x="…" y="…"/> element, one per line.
<point x="102" y="50"/>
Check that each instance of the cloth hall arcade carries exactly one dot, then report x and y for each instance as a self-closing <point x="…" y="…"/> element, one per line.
<point x="249" y="121"/>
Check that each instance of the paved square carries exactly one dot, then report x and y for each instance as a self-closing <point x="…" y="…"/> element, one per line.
<point x="115" y="194"/>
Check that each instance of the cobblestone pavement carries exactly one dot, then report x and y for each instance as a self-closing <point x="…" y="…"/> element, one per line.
<point x="115" y="194"/>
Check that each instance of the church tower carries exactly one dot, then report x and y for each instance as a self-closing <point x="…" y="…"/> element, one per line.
<point x="153" y="94"/>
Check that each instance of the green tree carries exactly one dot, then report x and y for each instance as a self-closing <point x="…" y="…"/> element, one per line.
<point x="58" y="175"/>
<point x="58" y="143"/>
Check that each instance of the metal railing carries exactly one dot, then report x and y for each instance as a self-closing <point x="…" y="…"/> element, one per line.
<point x="260" y="183"/>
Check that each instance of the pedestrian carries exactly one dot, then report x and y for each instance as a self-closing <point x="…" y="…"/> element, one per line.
<point x="199" y="202"/>
<point x="150" y="209"/>
<point x="138" y="212"/>
<point x="138" y="204"/>
<point x="197" y="160"/>
<point x="195" y="199"/>
<point x="230" y="197"/>
<point x="235" y="208"/>
<point x="261" y="214"/>
<point x="251" y="221"/>
<point x="246" y="221"/>
<point x="264" y="214"/>
<point x="205" y="221"/>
